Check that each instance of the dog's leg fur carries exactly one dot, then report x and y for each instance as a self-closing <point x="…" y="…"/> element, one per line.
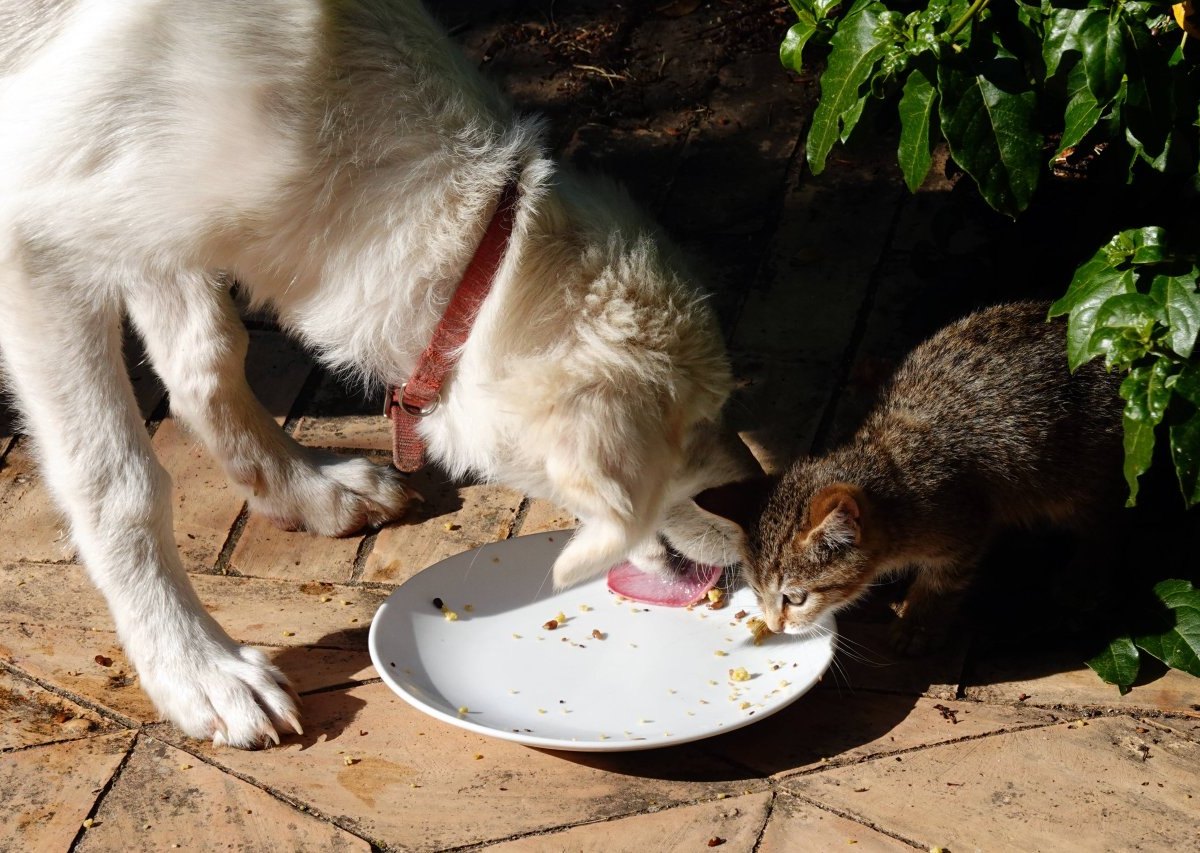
<point x="198" y="346"/>
<point x="97" y="458"/>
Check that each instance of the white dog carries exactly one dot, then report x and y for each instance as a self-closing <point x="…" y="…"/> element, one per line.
<point x="341" y="160"/>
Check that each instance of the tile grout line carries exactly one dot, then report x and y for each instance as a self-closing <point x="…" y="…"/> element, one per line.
<point x="861" y="821"/>
<point x="104" y="789"/>
<point x="78" y="698"/>
<point x="762" y="830"/>
<point x="183" y="745"/>
<point x="222" y="565"/>
<point x="366" y="545"/>
<point x="879" y="756"/>
<point x="793" y="175"/>
<point x="13" y="750"/>
<point x="566" y="827"/>
<point x="857" y="334"/>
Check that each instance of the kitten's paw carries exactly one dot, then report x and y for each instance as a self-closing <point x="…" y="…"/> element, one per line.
<point x="232" y="695"/>
<point x="333" y="496"/>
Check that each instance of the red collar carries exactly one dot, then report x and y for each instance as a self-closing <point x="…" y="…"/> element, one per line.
<point x="420" y="395"/>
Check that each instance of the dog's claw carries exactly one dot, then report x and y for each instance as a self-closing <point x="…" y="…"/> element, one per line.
<point x="294" y="722"/>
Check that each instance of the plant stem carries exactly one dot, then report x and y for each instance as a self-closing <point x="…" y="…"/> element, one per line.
<point x="957" y="27"/>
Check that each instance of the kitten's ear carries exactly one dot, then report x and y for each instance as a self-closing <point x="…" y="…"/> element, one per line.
<point x="835" y="516"/>
<point x="741" y="502"/>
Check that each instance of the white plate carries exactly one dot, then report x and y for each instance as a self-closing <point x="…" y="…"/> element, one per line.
<point x="656" y="678"/>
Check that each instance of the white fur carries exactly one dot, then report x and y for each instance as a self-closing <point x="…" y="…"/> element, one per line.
<point x="340" y="160"/>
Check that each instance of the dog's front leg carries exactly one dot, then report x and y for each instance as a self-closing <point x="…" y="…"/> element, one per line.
<point x="198" y="346"/>
<point x="62" y="349"/>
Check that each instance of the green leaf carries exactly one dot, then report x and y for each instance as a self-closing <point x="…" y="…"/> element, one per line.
<point x="1184" y="437"/>
<point x="856" y="49"/>
<point x="1148" y="110"/>
<point x="1094" y="284"/>
<point x="1187" y="384"/>
<point x="1139" y="426"/>
<point x="987" y="112"/>
<point x="1179" y="645"/>
<point x="1082" y="113"/>
<point x="1118" y="663"/>
<point x="1178" y="593"/>
<point x="1062" y="36"/>
<point x="1103" y="45"/>
<point x="793" y="43"/>
<point x="1183" y="311"/>
<point x="918" y="118"/>
<point x="1134" y="311"/>
<point x="1149" y="244"/>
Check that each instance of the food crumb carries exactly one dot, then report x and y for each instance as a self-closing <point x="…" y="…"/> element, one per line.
<point x="516" y="636"/>
<point x="561" y="617"/>
<point x="478" y="756"/>
<point x="550" y="625"/>
<point x="741" y="614"/>
<point x="758" y="630"/>
<point x="597" y="634"/>
<point x="348" y="761"/>
<point x="470" y="608"/>
<point x="541" y="710"/>
<point x="450" y="527"/>
<point x="326" y="599"/>
<point x="584" y="608"/>
<point x="463" y="709"/>
<point x="721" y="653"/>
<point x="739" y="674"/>
<point x="716" y="841"/>
<point x="744" y="705"/>
<point x="87" y="823"/>
<point x="289" y="633"/>
<point x="185" y="767"/>
<point x="450" y="615"/>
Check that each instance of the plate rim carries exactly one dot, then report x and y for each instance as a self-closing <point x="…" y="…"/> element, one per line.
<point x="828" y="620"/>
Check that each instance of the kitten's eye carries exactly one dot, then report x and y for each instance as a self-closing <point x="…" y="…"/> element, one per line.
<point x="795" y="599"/>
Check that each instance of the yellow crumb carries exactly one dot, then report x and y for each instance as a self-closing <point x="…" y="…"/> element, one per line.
<point x="185" y="767"/>
<point x="450" y="615"/>
<point x="721" y="653"/>
<point x="584" y="608"/>
<point x="560" y="617"/>
<point x="758" y="629"/>
<point x="348" y="761"/>
<point x="289" y="633"/>
<point x="715" y="594"/>
<point x="541" y="710"/>
<point x="739" y="674"/>
<point x="463" y="709"/>
<point x="87" y="823"/>
<point x="326" y="599"/>
<point x="478" y="756"/>
<point x="744" y="705"/>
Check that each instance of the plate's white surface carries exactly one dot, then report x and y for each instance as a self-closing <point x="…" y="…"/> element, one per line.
<point x="654" y="680"/>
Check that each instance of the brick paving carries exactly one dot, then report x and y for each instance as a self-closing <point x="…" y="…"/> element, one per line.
<point x="821" y="284"/>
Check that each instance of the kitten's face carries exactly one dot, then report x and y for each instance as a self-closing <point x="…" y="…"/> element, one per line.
<point x="806" y="561"/>
<point x="802" y="558"/>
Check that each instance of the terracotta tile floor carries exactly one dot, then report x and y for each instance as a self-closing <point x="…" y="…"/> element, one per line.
<point x="820" y="285"/>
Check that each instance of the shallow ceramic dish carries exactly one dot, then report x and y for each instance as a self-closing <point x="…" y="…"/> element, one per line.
<point x="655" y="676"/>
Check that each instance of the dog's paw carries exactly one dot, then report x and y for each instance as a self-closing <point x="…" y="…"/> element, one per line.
<point x="233" y="696"/>
<point x="335" y="496"/>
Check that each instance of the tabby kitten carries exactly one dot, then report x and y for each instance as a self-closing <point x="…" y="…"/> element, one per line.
<point x="981" y="428"/>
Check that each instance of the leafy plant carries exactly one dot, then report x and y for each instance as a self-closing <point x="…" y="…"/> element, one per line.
<point x="1135" y="303"/>
<point x="998" y="81"/>
<point x="1010" y="86"/>
<point x="1173" y="638"/>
